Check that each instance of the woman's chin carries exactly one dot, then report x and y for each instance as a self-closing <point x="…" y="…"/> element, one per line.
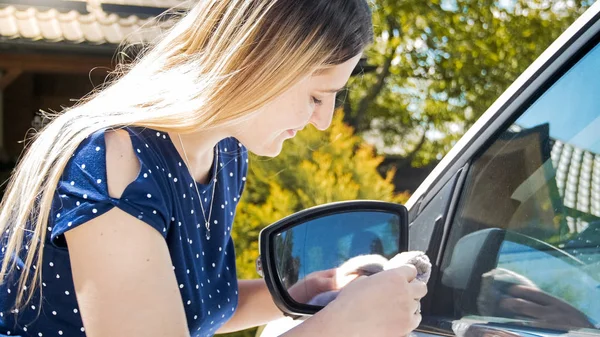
<point x="272" y="150"/>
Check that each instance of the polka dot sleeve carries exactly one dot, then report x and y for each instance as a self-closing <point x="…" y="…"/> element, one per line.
<point x="82" y="192"/>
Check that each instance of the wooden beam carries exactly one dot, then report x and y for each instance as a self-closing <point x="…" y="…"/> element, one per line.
<point x="9" y="76"/>
<point x="48" y="63"/>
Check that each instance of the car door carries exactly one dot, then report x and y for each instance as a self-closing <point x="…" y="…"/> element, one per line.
<point x="511" y="218"/>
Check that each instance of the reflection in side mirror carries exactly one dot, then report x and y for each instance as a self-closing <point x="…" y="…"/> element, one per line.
<point x="310" y="256"/>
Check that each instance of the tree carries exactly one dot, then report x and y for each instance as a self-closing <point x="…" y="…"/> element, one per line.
<point x="441" y="64"/>
<point x="314" y="168"/>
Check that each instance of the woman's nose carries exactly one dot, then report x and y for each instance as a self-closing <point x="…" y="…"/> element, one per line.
<point x="322" y="116"/>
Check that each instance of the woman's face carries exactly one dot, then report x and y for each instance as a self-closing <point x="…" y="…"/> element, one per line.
<point x="311" y="100"/>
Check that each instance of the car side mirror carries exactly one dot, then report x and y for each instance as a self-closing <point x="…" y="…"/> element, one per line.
<point x="474" y="255"/>
<point x="306" y="258"/>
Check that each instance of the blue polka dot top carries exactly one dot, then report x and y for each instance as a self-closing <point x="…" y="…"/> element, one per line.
<point x="163" y="196"/>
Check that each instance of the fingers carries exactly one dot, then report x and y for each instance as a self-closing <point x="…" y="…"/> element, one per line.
<point x="415" y="307"/>
<point x="416" y="320"/>
<point x="371" y="263"/>
<point x="343" y="280"/>
<point x="418" y="288"/>
<point x="325" y="273"/>
<point x="408" y="271"/>
<point x="523" y="307"/>
<point x="323" y="284"/>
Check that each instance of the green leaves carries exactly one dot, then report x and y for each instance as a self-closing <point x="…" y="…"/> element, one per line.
<point x="448" y="57"/>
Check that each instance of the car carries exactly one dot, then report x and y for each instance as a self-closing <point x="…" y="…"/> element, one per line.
<point x="510" y="218"/>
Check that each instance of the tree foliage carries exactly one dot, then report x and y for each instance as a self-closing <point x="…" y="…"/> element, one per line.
<point x="441" y="64"/>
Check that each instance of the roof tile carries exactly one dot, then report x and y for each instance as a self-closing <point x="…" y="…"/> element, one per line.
<point x="70" y="27"/>
<point x="27" y="23"/>
<point x="151" y="3"/>
<point x="49" y="25"/>
<point x="111" y="30"/>
<point x="577" y="177"/>
<point x="91" y="29"/>
<point x="8" y="22"/>
<point x="96" y="27"/>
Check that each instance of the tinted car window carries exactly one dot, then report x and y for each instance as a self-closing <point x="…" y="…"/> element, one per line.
<point x="525" y="243"/>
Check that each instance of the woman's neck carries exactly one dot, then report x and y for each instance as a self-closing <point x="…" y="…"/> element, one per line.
<point x="199" y="150"/>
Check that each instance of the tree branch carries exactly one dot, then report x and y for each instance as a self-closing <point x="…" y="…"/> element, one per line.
<point x="359" y="116"/>
<point x="407" y="160"/>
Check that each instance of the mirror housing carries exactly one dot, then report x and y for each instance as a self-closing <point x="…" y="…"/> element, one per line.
<point x="269" y="263"/>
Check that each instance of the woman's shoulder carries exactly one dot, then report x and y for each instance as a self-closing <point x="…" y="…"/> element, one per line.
<point x="124" y="143"/>
<point x="109" y="168"/>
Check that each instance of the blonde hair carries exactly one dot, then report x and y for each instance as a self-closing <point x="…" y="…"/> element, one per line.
<point x="228" y="59"/>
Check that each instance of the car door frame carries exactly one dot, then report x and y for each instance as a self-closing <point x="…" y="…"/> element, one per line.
<point x="557" y="59"/>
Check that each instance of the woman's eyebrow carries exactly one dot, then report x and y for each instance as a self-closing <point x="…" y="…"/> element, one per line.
<point x="333" y="91"/>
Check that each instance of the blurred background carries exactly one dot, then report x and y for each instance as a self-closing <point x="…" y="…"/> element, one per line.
<point x="434" y="68"/>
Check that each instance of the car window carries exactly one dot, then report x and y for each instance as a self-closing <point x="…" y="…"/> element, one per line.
<point x="524" y="247"/>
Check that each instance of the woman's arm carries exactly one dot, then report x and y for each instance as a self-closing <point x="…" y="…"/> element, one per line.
<point x="124" y="279"/>
<point x="122" y="269"/>
<point x="255" y="307"/>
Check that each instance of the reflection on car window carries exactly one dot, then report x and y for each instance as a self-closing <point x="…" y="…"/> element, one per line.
<point x="525" y="244"/>
<point x="562" y="275"/>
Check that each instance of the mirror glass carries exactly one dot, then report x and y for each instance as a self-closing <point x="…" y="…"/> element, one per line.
<point x="317" y="258"/>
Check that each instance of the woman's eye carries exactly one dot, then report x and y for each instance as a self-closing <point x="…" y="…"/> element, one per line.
<point x="317" y="101"/>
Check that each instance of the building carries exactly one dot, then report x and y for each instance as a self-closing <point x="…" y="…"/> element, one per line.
<point x="53" y="52"/>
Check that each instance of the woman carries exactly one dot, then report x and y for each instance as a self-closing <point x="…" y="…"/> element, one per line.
<point x="118" y="218"/>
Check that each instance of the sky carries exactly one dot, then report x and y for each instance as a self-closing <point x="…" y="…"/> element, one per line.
<point x="572" y="106"/>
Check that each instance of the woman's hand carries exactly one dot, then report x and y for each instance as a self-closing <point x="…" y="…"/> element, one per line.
<point x="384" y="304"/>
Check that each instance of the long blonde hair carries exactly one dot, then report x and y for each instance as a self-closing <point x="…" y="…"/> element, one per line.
<point x="226" y="59"/>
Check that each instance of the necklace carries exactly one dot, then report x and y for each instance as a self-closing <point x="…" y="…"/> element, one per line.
<point x="206" y="220"/>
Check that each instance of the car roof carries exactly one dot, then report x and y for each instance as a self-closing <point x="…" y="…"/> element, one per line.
<point x="497" y="107"/>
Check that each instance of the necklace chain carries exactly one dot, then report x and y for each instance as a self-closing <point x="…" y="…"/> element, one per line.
<point x="206" y="220"/>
